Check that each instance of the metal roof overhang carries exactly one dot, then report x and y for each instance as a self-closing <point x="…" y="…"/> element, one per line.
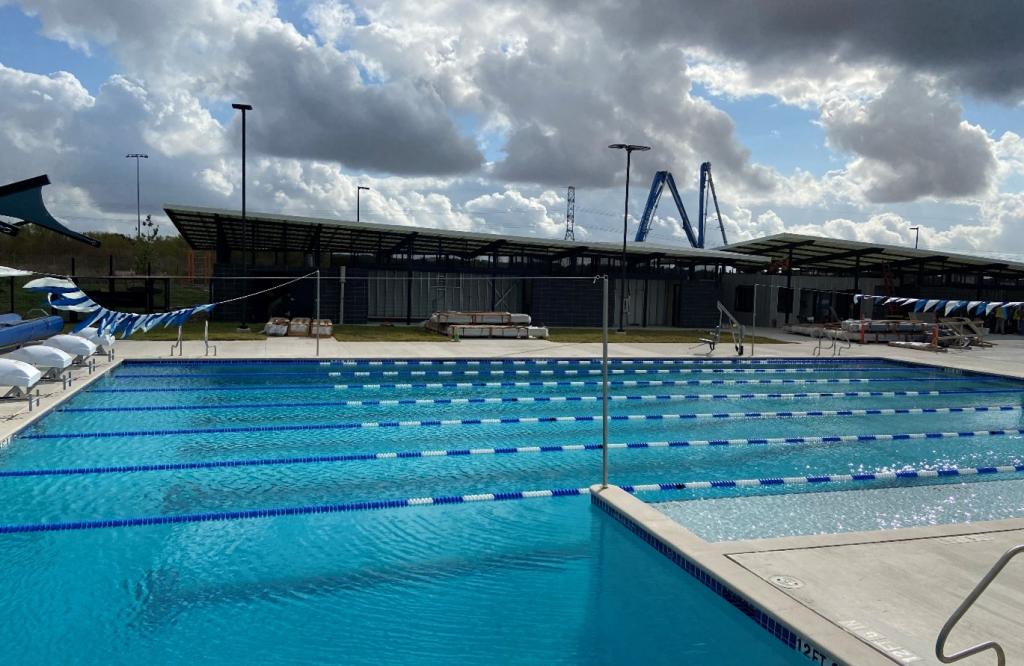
<point x="201" y="227"/>
<point x="831" y="255"/>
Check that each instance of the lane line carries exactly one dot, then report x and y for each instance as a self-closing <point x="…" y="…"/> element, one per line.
<point x="559" y="448"/>
<point x="346" y="507"/>
<point x="534" y="399"/>
<point x="157" y="388"/>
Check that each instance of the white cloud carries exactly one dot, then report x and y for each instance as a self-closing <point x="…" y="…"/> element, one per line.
<point x="405" y="97"/>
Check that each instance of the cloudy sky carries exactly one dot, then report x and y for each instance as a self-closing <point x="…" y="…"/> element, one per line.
<point x="851" y="118"/>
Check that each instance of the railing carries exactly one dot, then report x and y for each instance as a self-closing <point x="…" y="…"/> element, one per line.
<point x="178" y="344"/>
<point x="834" y="337"/>
<point x="206" y="339"/>
<point x="979" y="589"/>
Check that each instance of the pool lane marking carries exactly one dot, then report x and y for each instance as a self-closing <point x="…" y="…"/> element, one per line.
<point x="442" y="453"/>
<point x="827" y="478"/>
<point x="534" y="399"/>
<point x="511" y="420"/>
<point x="547" y="384"/>
<point x="522" y="362"/>
<point x="348" y="507"/>
<point x="120" y="376"/>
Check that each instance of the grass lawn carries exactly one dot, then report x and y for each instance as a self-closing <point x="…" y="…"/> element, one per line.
<point x="691" y="336"/>
<point x="225" y="330"/>
<point x="378" y="333"/>
<point x="193" y="330"/>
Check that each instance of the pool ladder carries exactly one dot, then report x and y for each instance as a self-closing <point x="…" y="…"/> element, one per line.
<point x="834" y="345"/>
<point x="979" y="589"/>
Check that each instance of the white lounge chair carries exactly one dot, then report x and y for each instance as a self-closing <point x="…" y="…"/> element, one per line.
<point x="18" y="378"/>
<point x="79" y="348"/>
<point x="54" y="363"/>
<point x="105" y="342"/>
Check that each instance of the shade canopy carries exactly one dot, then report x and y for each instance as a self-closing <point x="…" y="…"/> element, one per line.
<point x="218" y="229"/>
<point x="23" y="201"/>
<point x="833" y="255"/>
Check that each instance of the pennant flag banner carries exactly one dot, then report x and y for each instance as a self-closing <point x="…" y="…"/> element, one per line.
<point x="64" y="294"/>
<point x="946" y="307"/>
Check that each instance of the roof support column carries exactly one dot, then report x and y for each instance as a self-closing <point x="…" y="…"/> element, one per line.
<point x="646" y="280"/>
<point x="856" y="285"/>
<point x="789" y="279"/>
<point x="494" y="287"/>
<point x="408" y="289"/>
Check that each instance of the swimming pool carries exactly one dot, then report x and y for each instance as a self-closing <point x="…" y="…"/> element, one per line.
<point x="522" y="580"/>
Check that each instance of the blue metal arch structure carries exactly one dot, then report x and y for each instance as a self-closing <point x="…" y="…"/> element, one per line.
<point x="707" y="186"/>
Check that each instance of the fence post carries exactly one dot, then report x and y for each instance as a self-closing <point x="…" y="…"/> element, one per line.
<point x="754" y="322"/>
<point x="317" y="327"/>
<point x="604" y="382"/>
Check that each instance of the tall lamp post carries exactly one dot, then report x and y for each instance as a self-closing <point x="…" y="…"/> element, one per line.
<point x="244" y="326"/>
<point x="629" y="148"/>
<point x="917" y="235"/>
<point x="138" y="195"/>
<point x="359" y="189"/>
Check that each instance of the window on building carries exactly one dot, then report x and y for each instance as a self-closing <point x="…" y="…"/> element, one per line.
<point x="785" y="305"/>
<point x="744" y="301"/>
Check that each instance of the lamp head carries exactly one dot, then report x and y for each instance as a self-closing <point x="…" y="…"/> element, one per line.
<point x="629" y="147"/>
<point x="242" y="107"/>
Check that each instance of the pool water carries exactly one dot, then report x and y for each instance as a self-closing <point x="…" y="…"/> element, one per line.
<point x="544" y="580"/>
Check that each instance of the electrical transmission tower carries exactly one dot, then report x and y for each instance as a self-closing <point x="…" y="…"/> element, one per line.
<point x="570" y="214"/>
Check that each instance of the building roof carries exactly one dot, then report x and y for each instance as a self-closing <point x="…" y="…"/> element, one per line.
<point x="845" y="256"/>
<point x="201" y="227"/>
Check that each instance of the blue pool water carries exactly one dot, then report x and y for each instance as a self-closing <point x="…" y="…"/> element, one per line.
<point x="545" y="580"/>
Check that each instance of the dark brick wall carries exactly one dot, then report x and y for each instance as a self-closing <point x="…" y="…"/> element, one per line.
<point x="357" y="297"/>
<point x="564" y="303"/>
<point x="698" y="304"/>
<point x="303" y="294"/>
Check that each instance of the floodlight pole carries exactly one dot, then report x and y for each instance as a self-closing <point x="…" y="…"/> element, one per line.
<point x="138" y="190"/>
<point x="629" y="148"/>
<point x="244" y="326"/>
<point x="917" y="235"/>
<point x="359" y="189"/>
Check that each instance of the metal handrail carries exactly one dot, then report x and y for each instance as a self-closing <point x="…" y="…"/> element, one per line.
<point x="940" y="642"/>
<point x="178" y="344"/>
<point x="206" y="339"/>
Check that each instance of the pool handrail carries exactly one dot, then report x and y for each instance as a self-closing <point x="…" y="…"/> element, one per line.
<point x="979" y="589"/>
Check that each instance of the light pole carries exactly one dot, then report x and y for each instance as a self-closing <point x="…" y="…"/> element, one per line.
<point x="138" y="196"/>
<point x="629" y="148"/>
<point x="244" y="326"/>
<point x="917" y="235"/>
<point x="359" y="189"/>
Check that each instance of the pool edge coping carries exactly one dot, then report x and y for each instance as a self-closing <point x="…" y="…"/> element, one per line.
<point x="12" y="427"/>
<point x="791" y="622"/>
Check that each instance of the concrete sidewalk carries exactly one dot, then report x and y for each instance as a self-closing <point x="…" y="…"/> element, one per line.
<point x="1007" y="357"/>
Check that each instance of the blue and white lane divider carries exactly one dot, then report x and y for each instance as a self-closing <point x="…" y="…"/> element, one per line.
<point x="122" y="376"/>
<point x="510" y="450"/>
<point x="348" y="507"/>
<point x="826" y="478"/>
<point x="806" y="360"/>
<point x="510" y="420"/>
<point x="501" y="400"/>
<point x="157" y="388"/>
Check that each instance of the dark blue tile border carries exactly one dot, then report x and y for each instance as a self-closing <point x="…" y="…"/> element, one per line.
<point x="766" y="621"/>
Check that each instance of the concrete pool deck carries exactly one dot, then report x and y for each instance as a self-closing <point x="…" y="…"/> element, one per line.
<point x="864" y="598"/>
<point x="1007" y="357"/>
